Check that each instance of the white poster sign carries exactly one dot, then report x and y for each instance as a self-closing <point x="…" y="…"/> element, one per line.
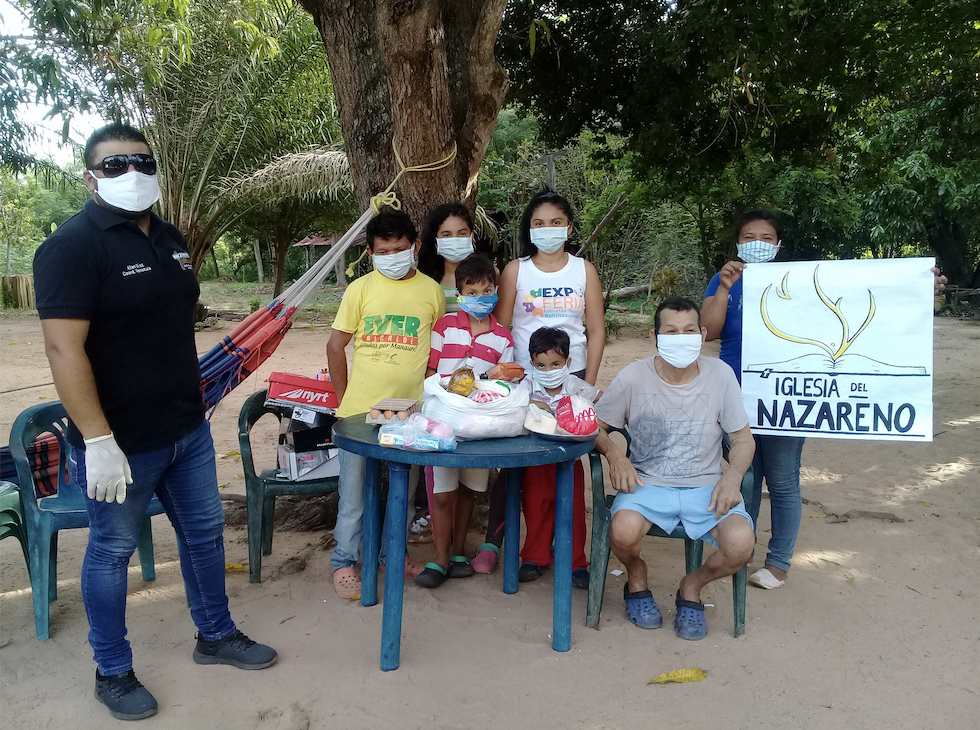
<point x="839" y="349"/>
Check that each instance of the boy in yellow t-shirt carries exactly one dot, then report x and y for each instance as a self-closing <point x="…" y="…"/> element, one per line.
<point x="389" y="314"/>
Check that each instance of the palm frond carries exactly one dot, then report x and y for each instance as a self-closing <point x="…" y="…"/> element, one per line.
<point x="321" y="173"/>
<point x="486" y="227"/>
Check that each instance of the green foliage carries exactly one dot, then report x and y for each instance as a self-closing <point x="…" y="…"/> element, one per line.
<point x="614" y="323"/>
<point x="254" y="303"/>
<point x="29" y="212"/>
<point x="919" y="179"/>
<point x="220" y="88"/>
<point x="666" y="283"/>
<point x="858" y="121"/>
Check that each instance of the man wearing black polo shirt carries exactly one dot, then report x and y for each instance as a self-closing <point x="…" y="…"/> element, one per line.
<point x="116" y="294"/>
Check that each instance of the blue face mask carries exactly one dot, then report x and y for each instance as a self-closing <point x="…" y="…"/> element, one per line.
<point x="478" y="307"/>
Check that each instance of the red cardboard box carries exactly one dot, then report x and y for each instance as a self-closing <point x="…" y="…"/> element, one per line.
<point x="295" y="391"/>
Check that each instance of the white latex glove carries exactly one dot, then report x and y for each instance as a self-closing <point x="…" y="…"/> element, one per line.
<point x="106" y="470"/>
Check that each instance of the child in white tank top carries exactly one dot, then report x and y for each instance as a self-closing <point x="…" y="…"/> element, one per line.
<point x="546" y="287"/>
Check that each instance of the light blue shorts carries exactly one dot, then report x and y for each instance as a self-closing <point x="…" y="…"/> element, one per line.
<point x="666" y="507"/>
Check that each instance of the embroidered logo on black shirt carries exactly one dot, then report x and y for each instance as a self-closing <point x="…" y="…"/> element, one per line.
<point x="184" y="259"/>
<point x="139" y="268"/>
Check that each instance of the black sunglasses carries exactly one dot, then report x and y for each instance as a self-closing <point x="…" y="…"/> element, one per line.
<point x="116" y="165"/>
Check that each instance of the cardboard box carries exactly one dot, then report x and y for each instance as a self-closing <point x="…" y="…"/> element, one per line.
<point x="293" y="391"/>
<point x="301" y="466"/>
<point x="303" y="437"/>
<point x="311" y="439"/>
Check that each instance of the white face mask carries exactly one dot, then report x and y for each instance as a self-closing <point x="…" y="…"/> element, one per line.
<point x="395" y="265"/>
<point x="454" y="249"/>
<point x="132" y="191"/>
<point x="551" y="378"/>
<point x="679" y="350"/>
<point x="549" y="240"/>
<point x="757" y="252"/>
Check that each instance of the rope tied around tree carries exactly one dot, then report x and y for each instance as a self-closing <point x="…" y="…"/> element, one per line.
<point x="388" y="197"/>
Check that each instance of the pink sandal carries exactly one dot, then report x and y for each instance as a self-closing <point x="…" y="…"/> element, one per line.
<point x="486" y="558"/>
<point x="412" y="569"/>
<point x="346" y="583"/>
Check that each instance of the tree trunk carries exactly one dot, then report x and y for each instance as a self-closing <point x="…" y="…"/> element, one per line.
<point x="282" y="241"/>
<point x="18" y="291"/>
<point x="214" y="260"/>
<point x="948" y="239"/>
<point x="340" y="273"/>
<point x="421" y="72"/>
<point x="257" y="250"/>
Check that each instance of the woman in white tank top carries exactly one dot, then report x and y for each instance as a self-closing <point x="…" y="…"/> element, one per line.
<point x="548" y="287"/>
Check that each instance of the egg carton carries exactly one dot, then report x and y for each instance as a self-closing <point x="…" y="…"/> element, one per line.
<point x="395" y="405"/>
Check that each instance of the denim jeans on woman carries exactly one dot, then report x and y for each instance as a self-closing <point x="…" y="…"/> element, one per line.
<point x="350" y="511"/>
<point x="778" y="459"/>
<point x="184" y="478"/>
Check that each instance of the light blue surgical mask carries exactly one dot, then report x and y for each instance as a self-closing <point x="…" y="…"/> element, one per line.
<point x="395" y="265"/>
<point x="454" y="249"/>
<point x="757" y="252"/>
<point x="551" y="378"/>
<point x="478" y="307"/>
<point x="549" y="239"/>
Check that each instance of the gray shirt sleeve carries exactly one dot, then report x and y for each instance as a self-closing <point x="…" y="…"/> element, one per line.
<point x="733" y="416"/>
<point x="613" y="406"/>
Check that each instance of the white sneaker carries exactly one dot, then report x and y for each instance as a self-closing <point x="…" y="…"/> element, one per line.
<point x="762" y="578"/>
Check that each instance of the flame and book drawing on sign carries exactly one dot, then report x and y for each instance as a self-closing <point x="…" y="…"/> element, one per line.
<point x="832" y="357"/>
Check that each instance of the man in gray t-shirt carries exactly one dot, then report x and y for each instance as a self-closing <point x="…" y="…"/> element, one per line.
<point x="677" y="406"/>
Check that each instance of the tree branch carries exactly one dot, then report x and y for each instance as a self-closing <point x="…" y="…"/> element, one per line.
<point x="616" y="207"/>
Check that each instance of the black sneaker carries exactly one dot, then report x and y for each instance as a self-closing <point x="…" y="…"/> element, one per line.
<point x="237" y="650"/>
<point x="580" y="578"/>
<point x="528" y="572"/>
<point x="125" y="697"/>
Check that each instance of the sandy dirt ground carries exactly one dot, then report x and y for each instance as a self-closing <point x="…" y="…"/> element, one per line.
<point x="876" y="626"/>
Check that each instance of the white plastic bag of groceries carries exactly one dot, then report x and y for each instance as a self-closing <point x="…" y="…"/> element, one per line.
<point x="500" y="418"/>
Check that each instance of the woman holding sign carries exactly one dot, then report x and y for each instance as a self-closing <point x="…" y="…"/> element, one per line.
<point x="777" y="458"/>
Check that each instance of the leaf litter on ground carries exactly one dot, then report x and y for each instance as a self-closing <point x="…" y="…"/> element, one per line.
<point x="688" y="674"/>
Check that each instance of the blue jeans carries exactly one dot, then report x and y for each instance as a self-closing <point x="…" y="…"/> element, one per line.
<point x="777" y="458"/>
<point x="184" y="478"/>
<point x="350" y="511"/>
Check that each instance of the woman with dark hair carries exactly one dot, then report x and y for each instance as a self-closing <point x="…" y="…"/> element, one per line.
<point x="547" y="287"/>
<point x="447" y="239"/>
<point x="777" y="458"/>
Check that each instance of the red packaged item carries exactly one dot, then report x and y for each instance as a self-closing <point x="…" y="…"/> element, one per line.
<point x="576" y="416"/>
<point x="295" y="391"/>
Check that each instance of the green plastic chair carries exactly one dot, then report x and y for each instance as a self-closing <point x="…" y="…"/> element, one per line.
<point x="693" y="549"/>
<point x="45" y="516"/>
<point x="12" y="518"/>
<point x="262" y="489"/>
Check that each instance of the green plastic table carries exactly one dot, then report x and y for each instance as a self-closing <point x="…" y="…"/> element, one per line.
<point x="354" y="435"/>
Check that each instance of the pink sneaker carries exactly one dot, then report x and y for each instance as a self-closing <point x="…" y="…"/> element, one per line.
<point x="486" y="558"/>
